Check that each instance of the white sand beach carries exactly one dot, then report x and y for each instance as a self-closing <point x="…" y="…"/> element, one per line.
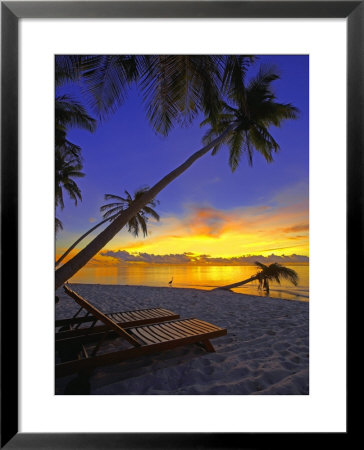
<point x="265" y="351"/>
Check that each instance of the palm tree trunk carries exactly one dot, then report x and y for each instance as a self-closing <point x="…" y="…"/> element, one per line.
<point x="72" y="266"/>
<point x="81" y="238"/>
<point x="234" y="285"/>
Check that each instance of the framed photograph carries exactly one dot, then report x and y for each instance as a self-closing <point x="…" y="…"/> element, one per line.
<point x="113" y="87"/>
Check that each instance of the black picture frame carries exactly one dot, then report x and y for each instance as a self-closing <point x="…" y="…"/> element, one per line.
<point x="11" y="12"/>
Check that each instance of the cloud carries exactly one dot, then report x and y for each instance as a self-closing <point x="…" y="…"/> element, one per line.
<point x="123" y="256"/>
<point x="206" y="221"/>
<point x="295" y="228"/>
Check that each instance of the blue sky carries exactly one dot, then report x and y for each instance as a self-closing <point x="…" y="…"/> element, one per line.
<point x="125" y="153"/>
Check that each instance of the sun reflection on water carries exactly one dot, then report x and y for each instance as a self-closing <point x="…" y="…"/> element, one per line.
<point x="191" y="276"/>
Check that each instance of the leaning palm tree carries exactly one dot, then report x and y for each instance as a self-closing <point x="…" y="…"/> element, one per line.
<point x="242" y="124"/>
<point x="139" y="221"/>
<point x="273" y="272"/>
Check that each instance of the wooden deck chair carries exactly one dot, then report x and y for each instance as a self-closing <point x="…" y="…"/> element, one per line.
<point x="143" y="340"/>
<point x="75" y="326"/>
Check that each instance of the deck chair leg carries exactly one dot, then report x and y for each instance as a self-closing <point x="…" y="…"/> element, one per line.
<point x="98" y="345"/>
<point x="208" y="346"/>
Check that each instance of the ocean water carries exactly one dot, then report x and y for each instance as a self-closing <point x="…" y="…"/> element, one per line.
<point x="197" y="277"/>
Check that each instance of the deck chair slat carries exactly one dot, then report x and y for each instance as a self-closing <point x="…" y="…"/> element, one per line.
<point x="156" y="312"/>
<point x="165" y="311"/>
<point x="202" y="324"/>
<point x="198" y="326"/>
<point x="159" y="311"/>
<point x="143" y="314"/>
<point x="116" y="317"/>
<point x="201" y="330"/>
<point x="146" y="315"/>
<point x="159" y="334"/>
<point x="193" y="329"/>
<point x="153" y="312"/>
<point x="192" y="324"/>
<point x="150" y="334"/>
<point x="186" y="329"/>
<point x="172" y="330"/>
<point x="132" y="316"/>
<point x="168" y="332"/>
<point x="165" y="336"/>
<point x="140" y="316"/>
<point x="136" y="316"/>
<point x="126" y="316"/>
<point x="209" y="325"/>
<point x="142" y="337"/>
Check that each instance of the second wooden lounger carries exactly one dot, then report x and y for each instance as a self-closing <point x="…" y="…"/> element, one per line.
<point x="89" y="324"/>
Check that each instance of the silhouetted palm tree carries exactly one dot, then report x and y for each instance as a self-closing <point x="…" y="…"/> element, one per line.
<point x="273" y="272"/>
<point x="67" y="167"/>
<point x="243" y="125"/>
<point x="68" y="113"/>
<point x="114" y="209"/>
<point x="140" y="220"/>
<point x="253" y="111"/>
<point x="68" y="69"/>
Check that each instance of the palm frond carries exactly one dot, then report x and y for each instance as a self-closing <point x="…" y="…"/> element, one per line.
<point x="265" y="76"/>
<point x="71" y="113"/>
<point x="177" y="87"/>
<point x="58" y="225"/>
<point x="113" y="205"/>
<point x="275" y="272"/>
<point x="67" y="68"/>
<point x="142" y="223"/>
<point x="233" y="82"/>
<point x="114" y="197"/>
<point x="149" y="211"/>
<point x="261" y="265"/>
<point x="235" y="144"/>
<point x="112" y="212"/>
<point x="107" y="79"/>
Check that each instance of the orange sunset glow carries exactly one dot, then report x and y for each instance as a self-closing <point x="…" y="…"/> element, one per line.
<point x="205" y="232"/>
